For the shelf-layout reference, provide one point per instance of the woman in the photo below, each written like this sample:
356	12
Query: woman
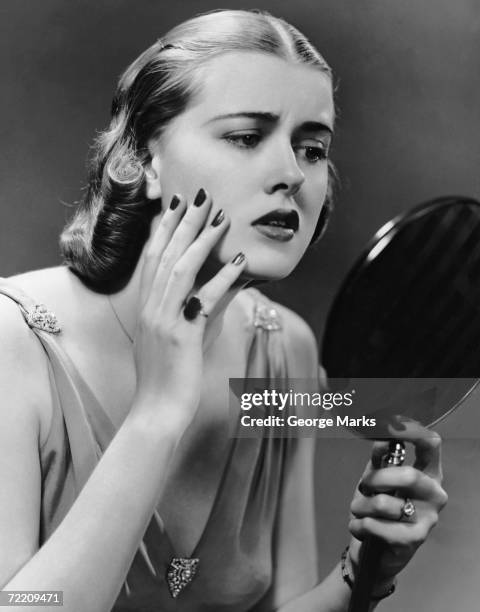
124	489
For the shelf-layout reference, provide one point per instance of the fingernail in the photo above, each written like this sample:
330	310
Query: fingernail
175	202
200	198
219	217
238	259
397	423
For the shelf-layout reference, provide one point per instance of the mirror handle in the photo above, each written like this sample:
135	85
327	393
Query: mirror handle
372	547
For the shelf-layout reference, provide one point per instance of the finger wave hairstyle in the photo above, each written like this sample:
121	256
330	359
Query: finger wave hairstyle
102	243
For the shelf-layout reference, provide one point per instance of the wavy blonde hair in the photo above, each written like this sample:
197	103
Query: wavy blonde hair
103	241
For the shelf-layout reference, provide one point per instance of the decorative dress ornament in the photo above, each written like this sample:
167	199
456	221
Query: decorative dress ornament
267	318
38	316
180	573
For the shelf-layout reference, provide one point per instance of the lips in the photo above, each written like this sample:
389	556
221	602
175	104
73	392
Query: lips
287	219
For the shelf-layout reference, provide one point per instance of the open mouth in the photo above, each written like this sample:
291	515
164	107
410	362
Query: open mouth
279	218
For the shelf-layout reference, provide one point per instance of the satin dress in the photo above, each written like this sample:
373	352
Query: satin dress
258	548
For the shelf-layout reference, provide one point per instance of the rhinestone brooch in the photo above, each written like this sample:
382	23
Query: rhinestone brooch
180	573
267	318
38	316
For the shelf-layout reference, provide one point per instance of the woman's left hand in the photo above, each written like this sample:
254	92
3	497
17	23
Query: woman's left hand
379	502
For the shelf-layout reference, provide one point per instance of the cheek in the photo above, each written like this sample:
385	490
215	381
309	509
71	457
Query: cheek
183	175
314	194
194	163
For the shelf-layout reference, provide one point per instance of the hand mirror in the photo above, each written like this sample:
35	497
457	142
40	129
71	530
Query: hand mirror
404	331
404	328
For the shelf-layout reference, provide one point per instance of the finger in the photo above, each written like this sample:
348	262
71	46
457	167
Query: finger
380	451
428	455
378	506
394	533
427	445
184	272
187	231
160	239
407	481
213	291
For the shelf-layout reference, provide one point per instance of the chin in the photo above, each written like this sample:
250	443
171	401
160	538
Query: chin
255	270
265	262
273	262
266	273
267	270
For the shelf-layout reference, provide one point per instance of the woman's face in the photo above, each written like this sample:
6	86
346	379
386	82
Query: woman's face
256	137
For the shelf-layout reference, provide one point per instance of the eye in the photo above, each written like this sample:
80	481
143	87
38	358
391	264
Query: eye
244	140
313	153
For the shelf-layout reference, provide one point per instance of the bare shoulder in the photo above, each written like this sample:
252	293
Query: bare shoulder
24	377
18	342
55	287
85	324
24	373
78	309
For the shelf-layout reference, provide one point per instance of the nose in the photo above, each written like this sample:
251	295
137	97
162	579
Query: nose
283	173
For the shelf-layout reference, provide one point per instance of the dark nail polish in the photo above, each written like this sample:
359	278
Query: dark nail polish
219	217
238	259
175	202
200	198
397	422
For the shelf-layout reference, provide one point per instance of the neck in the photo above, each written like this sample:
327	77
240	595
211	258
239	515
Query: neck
126	302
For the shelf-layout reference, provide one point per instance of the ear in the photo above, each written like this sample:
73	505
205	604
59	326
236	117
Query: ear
153	188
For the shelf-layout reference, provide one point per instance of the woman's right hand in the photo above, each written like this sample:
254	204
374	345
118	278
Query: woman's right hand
167	347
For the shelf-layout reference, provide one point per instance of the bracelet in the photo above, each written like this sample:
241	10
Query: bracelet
349	581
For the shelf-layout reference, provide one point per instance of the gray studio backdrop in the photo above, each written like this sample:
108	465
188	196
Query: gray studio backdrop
408	97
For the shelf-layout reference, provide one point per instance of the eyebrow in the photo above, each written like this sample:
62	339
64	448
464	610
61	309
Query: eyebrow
307	126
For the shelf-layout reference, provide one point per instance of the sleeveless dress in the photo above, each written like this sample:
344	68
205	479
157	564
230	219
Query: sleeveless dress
258	548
